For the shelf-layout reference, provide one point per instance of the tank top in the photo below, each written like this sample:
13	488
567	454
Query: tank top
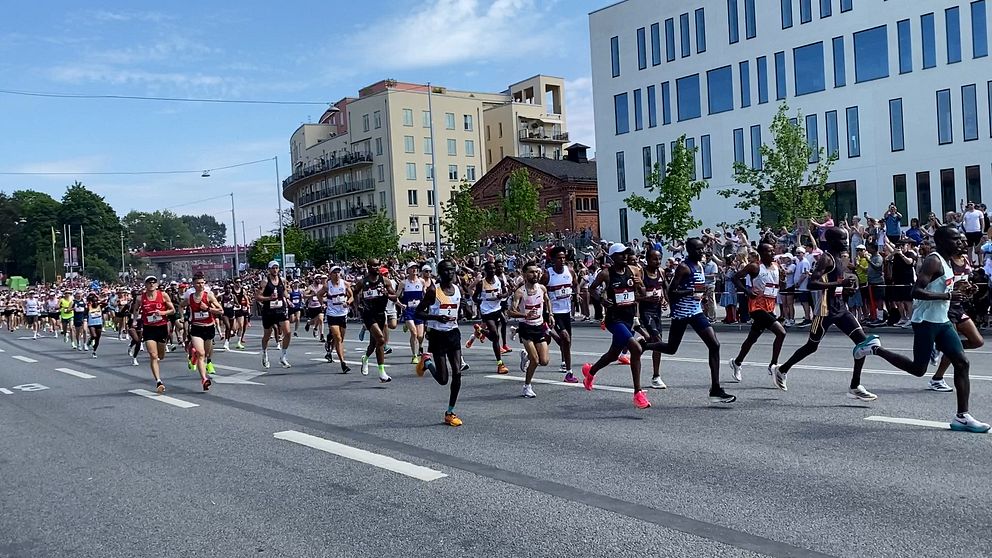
532	303
337	299
621	292
689	306
766	284
832	303
413	293
227	301
150	309
94	316
935	311
65	308
277	305
312	300
296	298
560	290
653	286
445	305
961	273
374	295
490	299
32	307
200	317
79	307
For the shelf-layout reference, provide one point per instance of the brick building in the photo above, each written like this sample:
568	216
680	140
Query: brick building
568	188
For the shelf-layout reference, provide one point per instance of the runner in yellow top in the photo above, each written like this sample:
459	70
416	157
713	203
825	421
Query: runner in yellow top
65	314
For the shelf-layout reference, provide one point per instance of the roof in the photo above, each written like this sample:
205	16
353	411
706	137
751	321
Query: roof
561	168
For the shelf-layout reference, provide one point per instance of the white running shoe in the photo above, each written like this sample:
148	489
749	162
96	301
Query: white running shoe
563	368
939	385
866	347
265	360
383	377
285	362
656	383
134	362
778	377
523	361
365	366
528	392
94	354
967	423
736	370
934	356
227	345
861	394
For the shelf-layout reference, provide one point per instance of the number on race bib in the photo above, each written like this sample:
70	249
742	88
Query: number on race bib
770	291
154	318
201	315
275	304
624	297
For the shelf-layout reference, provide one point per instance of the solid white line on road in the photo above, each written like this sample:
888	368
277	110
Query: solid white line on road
75	373
24	359
360	455
239	351
6	391
557	383
911	422
372	362
2	351
163	398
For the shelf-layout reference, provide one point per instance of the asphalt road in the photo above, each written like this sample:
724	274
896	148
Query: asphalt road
92	469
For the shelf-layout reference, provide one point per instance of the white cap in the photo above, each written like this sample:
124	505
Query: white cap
860	247
272	264
151	278
618	248
336	268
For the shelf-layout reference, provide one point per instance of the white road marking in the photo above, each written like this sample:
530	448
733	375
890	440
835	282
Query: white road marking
6	391
75	373
911	422
239	351
557	383
24	358
352	362
360	455
2	351
244	376
163	398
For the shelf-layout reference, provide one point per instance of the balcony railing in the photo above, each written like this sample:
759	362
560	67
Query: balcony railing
366	185
542	135
340	215
327	165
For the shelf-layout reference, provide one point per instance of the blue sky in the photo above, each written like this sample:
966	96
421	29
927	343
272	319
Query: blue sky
295	51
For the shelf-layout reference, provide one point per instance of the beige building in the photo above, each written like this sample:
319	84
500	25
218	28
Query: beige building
374	152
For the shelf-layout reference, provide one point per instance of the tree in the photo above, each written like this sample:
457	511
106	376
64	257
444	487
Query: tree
669	213
82	207
35	215
463	221
787	186
522	212
205	229
158	230
373	237
266	248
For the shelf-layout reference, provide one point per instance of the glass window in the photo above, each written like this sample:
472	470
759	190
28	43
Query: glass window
646	164
638	111
365	123
449	120
805	11
979	30
825	10
470	148
452	147
973	183
428	146
948	197
762	80
377	119
690	147
666	103
840	71
739	145
407	117
655	44
700	30
411	171
969	112
905	47
426	115
808	62
615	55
756	146
720	89
624	233
378	146
408	144
411	197
923	196
786	14
704	149
652	107
468	123
853	133
620	113
899	193
952	28
745	74
750	26
430	200
733	23
659	151
452	173
945	132
928	34
621	173
871	54
779	75
642	50
429	171
812	138
684	37
687	90
896	135
669	39
833	138
846	5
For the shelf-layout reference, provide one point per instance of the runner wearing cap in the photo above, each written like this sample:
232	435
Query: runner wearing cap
373	293
410	297
295	307
52	313
562	283
155	307
65	315
242	311
272	294
338	296
32	313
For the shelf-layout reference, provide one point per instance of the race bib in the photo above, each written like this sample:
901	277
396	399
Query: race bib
95	315
371	293
770	291
237	307
153	318
838	291
450	310
201	315
564	292
338	300
275	303
625	297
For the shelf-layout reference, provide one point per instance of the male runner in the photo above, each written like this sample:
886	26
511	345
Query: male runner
52	313
66	314
32	313
530	303
295	307
963	324
391	311
504	302
439	309
650	306
227	305
489	293
203	306
373	293
78	321
155	307
410	297
272	295
562	283
314	310
339	298
761	299
242	312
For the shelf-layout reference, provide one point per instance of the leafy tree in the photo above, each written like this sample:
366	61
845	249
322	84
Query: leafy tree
158	230
522	212
266	248
30	233
206	230
669	212
463	221
82	207
787	186
373	237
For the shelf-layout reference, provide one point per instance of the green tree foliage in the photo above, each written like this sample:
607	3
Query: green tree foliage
373	237
26	218
101	243
787	186
206	230
669	212
164	230
522	211
464	222
266	248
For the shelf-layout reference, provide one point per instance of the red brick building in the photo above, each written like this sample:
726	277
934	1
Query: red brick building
568	188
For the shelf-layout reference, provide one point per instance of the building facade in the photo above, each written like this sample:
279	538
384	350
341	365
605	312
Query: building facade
374	152
900	91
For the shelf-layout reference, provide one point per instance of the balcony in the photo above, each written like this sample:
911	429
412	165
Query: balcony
338	216
366	185
540	135
322	166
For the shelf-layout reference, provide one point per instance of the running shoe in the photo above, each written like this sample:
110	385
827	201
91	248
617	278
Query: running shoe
939	385
563	368
735	370
285	362
306	327
502	369
322	338
265	360
528	392
206	384
523	361
513	333
415	359
387	350
934	356
189	364
624	359
406	328
587	376
365	365
94	354
718	395
210	368
778	377
328	356
657	383
641	400
451	419
383	377
861	394
422	365
571	378
506	349
159	387
345	368
866	347
240	346
964	422
134	362
295	334
464	366
227	345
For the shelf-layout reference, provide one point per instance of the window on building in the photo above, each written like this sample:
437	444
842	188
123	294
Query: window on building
646	165
687	90
638	111
408	144
652	107
739	145
449	120
840	71
853	133
896	135
670	39
744	69
706	155
381	170
642	49
365	123
846	5
786	14
428	146
812	138
979	30
615	55
655	44
733	22
808	62
470	173
452	172
414	224
624	233
690	147
928	36
621	173
467	122
720	90
500	129
430	198
377	119
905	46
661	161
948	196
973	183
756	147
620	113
378	146
969	112
923	206
952	29
684	35
408	117
805	11
426	117
411	198
779	76
429	171
899	195
762	80
452	147
825	10
945	129
411	171
470	148
871	54
666	103
750	26
700	30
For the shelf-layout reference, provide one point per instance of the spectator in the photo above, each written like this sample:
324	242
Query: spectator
914	232
972	220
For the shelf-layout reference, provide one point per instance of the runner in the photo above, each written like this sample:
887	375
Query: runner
155	307
530	303
686	291
439	309
373	293
203	306
504	303
339	298
562	284
410	297
242	312
94	320
134	327
489	292
52	313
66	314
935	288
227	303
295	307
32	313
314	310
963	323
272	296
78	321
761	299
650	307
391	313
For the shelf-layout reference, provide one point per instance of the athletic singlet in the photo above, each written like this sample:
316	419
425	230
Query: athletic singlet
653	287
832	303
79	307
689	306
560	290
961	273
240	300
32	307
277	305
621	292
532	303
374	295
766	285
445	305
312	300
199	316
390	303
296	298
227	301
94	317
150	309
65	308
412	293
337	299
935	311
491	295
52	306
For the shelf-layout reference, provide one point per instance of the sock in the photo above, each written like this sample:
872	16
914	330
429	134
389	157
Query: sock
382	368
284	352
451	409
499	362
961	415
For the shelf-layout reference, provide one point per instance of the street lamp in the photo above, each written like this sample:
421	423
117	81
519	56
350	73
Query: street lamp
282	237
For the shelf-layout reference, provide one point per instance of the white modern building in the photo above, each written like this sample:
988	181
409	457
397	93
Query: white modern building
900	90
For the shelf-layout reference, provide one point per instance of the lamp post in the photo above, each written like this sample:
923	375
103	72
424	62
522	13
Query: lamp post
234	227
437	233
282	237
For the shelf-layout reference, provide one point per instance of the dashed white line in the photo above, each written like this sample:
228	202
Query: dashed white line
557	383
24	359
76	373
360	455
163	399
911	422
6	391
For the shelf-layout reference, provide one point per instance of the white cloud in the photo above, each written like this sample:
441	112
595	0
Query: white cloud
578	107
104	73
92	163
107	16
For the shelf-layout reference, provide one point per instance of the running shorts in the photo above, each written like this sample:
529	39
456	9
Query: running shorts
845	321
532	333
442	344
973	238
761	319
229	313
410	315
273	319
957	315
928	334
622	332
78	321
313	312
371	318
240	313
698	322
337	321
563	322
158	334
29	320
651	322
205	332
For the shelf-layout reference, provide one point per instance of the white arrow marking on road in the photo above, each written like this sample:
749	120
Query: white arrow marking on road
2	351
163	398
75	373
24	359
6	391
244	376
557	383
360	455
911	422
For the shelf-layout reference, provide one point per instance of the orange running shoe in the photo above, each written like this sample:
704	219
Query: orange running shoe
502	369
624	359
451	419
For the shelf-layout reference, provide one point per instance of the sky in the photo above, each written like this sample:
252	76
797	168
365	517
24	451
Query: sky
253	49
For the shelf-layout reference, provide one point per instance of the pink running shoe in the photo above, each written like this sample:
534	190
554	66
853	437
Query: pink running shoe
641	400
587	377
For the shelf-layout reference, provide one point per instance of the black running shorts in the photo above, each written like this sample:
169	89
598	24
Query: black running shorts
159	334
